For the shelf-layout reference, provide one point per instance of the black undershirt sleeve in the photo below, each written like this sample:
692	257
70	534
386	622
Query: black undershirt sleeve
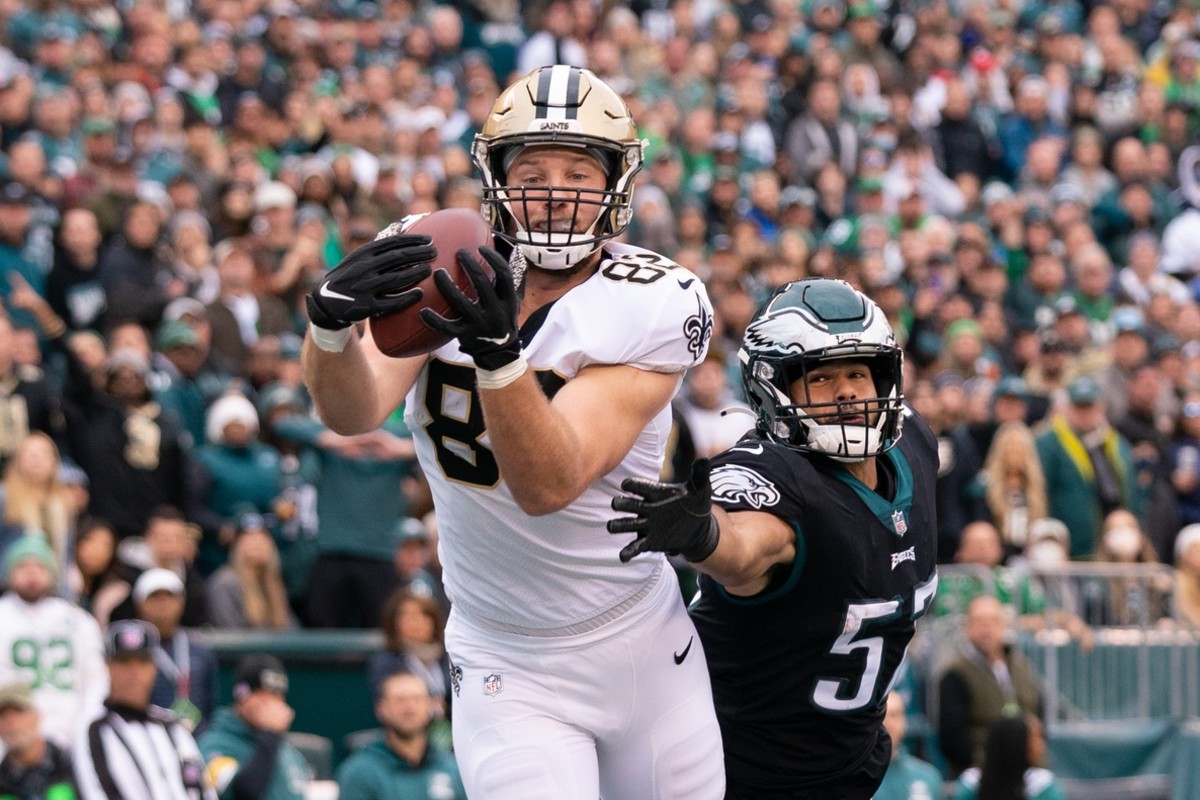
252	780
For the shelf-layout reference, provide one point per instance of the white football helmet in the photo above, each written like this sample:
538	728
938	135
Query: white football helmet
802	325
565	106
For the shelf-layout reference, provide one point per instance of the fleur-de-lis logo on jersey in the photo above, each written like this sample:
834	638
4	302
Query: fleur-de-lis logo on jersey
698	329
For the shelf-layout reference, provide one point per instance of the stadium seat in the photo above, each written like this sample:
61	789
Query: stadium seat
317	751
357	740
1137	787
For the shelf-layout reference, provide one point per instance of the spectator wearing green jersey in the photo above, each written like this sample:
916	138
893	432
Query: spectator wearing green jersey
404	764
907	777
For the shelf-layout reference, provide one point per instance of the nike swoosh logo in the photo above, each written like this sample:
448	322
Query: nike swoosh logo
687	283
679	657
325	291
754	450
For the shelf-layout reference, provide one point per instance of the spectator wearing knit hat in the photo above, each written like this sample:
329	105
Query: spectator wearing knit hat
236	470
50	640
187	386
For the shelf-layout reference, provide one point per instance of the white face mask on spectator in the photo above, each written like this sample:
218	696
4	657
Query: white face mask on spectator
1046	554
1123	542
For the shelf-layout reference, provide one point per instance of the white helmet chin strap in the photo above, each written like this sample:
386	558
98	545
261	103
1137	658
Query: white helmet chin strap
846	443
553	251
555	258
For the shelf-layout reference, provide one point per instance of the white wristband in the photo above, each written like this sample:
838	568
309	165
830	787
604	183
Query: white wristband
499	378
330	341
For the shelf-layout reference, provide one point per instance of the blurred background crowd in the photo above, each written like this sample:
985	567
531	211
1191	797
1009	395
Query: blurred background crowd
1014	183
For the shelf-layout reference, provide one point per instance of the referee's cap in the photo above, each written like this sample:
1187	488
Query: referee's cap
259	671
129	639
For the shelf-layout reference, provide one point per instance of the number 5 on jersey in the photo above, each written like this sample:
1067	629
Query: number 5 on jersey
860	618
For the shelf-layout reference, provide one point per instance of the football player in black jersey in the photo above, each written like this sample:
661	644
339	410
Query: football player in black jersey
815	537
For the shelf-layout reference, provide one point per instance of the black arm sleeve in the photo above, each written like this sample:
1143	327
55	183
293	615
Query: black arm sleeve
954	704
252	780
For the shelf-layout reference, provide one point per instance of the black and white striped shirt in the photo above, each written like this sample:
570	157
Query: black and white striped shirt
131	754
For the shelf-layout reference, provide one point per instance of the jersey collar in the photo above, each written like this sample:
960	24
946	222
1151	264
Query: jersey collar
894	515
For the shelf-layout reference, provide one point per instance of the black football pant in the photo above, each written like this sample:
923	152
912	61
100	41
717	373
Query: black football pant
348	591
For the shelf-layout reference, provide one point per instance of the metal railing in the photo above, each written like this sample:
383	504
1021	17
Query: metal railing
1102	637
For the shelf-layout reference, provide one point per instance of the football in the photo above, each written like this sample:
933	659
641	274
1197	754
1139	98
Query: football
402	335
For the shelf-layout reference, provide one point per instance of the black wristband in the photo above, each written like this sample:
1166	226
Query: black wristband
493	359
703	542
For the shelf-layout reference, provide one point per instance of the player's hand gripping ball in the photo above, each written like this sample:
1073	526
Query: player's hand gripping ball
402	334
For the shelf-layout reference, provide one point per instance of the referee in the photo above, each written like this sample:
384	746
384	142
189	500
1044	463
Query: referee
133	750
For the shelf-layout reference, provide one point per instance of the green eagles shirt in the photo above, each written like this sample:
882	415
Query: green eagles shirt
910	778
376	773
358	499
227	746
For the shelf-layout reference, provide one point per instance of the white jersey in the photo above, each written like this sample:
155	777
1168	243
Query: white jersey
559	572
55	647
1180	251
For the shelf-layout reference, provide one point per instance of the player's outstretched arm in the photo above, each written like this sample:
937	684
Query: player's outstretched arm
737	550
352	383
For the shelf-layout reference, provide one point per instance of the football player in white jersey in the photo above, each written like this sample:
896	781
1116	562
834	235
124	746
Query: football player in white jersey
49	644
574	676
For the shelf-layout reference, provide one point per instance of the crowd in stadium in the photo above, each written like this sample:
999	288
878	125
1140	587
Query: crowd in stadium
1014	184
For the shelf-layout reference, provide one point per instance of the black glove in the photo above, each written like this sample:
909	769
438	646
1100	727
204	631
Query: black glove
487	328
377	278
672	518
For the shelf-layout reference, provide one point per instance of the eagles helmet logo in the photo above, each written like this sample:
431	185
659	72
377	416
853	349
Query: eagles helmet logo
734	483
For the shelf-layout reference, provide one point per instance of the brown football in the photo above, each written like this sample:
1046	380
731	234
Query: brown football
403	334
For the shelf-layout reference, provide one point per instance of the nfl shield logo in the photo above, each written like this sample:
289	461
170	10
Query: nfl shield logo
493	684
899	523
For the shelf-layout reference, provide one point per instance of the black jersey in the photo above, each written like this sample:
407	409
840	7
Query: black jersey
801	671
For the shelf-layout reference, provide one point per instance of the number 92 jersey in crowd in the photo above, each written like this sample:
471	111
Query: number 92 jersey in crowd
639	309
801	671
